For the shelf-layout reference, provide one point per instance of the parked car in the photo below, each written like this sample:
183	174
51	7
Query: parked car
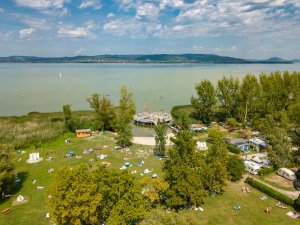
286	173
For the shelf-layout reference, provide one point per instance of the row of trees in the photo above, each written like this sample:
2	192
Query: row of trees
247	99
271	102
107	116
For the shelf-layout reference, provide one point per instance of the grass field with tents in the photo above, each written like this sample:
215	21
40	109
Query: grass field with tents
217	210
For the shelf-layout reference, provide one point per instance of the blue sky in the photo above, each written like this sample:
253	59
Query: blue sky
246	28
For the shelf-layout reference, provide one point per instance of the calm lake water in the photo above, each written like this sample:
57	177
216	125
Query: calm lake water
156	87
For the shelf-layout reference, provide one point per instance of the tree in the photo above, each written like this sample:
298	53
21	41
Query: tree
7	173
154	189
216	173
104	111
83	196
184	172
293	114
235	168
205	101
228	97
75	197
250	93
126	111
69	121
160	138
279	151
123	202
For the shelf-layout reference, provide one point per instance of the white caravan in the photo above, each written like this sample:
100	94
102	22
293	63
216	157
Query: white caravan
252	167
286	173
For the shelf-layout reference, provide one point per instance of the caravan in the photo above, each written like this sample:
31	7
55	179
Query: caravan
286	173
252	167
262	161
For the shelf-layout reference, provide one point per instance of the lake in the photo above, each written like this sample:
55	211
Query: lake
156	87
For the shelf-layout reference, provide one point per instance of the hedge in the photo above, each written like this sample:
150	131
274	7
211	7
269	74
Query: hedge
233	149
270	191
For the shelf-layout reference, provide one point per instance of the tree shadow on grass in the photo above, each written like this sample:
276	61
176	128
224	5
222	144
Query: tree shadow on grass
16	188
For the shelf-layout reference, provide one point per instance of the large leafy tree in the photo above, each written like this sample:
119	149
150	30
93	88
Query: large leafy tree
104	111
154	189
228	96
82	196
279	151
235	167
294	118
250	93
7	173
160	138
205	101
274	128
75	197
216	173
123	202
184	172
125	113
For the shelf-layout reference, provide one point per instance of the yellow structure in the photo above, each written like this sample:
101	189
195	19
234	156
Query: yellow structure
83	133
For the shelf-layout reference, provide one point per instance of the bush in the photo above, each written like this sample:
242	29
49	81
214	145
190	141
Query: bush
231	122
233	149
265	171
56	119
270	191
235	167
297	204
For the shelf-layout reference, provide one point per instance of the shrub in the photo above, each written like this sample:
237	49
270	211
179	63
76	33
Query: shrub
233	149
56	119
297	204
265	171
235	167
231	122
270	191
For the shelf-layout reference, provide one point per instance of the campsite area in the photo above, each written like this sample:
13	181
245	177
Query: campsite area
102	147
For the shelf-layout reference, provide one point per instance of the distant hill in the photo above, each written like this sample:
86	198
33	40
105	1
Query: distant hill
276	60
155	58
296	60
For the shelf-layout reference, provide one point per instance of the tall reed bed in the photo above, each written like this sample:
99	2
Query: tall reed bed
36	128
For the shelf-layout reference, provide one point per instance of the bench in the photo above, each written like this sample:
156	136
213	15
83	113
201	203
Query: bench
5	211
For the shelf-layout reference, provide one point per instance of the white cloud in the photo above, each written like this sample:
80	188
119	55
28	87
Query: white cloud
6	35
133	27
26	33
179	28
110	15
126	4
76	32
73	32
147	10
41	4
95	4
41	24
171	3
1	10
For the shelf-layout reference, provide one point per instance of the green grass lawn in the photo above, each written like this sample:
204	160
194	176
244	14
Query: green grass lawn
217	210
220	210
